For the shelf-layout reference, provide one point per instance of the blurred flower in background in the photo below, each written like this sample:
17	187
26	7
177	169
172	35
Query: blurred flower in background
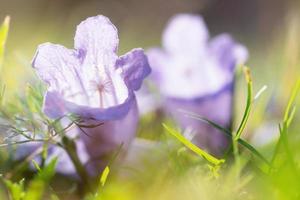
196	74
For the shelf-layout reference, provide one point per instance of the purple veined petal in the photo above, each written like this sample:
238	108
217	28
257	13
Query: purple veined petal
228	52
72	90
134	68
53	62
185	34
59	68
97	41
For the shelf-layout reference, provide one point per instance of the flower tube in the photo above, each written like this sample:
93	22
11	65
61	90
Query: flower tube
196	74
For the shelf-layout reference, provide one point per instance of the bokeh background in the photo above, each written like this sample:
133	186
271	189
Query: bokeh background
264	26
269	28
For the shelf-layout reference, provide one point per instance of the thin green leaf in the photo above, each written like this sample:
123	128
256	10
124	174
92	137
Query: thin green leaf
36	165
227	133
48	171
248	104
103	179
295	92
3	36
253	150
104	176
291	116
287	119
16	190
193	147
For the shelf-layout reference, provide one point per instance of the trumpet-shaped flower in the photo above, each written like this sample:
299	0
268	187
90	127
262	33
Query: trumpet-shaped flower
92	82
195	73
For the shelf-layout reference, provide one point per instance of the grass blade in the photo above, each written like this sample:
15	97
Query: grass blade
193	147
228	133
283	130
104	175
248	104
3	36
291	101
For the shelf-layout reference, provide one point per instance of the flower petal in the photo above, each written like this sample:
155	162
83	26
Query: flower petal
54	105
135	68
185	34
227	51
159	62
59	68
194	76
97	41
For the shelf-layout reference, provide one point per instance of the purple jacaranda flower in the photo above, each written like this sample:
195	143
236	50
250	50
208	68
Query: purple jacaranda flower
92	82
196	74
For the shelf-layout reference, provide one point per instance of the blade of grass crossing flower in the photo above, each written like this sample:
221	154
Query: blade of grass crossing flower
253	150
103	179
248	104
228	133
3	37
193	147
104	176
242	125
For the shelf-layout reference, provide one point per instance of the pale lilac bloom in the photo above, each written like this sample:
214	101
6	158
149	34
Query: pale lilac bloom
195	73
92	82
